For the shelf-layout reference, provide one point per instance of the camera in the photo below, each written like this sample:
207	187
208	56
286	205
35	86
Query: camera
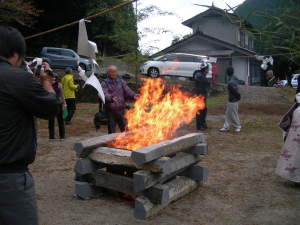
38	63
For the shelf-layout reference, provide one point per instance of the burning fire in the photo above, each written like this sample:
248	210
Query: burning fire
157	114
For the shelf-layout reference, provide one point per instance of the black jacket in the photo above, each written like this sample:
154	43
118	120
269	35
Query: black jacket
21	99
202	84
233	90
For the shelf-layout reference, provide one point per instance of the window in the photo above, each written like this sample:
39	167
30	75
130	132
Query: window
68	54
53	51
242	41
171	57
251	43
246	40
186	58
238	35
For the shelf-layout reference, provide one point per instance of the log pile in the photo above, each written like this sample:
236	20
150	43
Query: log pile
155	175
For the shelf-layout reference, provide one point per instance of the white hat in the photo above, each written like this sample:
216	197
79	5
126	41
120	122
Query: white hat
203	65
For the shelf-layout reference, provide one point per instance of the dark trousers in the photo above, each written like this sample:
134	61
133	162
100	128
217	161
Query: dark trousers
17	199
201	118
114	119
71	106
61	125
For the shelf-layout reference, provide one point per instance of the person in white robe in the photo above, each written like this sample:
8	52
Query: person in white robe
288	165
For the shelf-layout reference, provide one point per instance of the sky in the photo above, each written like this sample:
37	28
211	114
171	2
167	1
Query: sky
183	10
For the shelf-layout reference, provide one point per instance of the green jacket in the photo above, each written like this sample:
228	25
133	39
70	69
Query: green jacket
68	86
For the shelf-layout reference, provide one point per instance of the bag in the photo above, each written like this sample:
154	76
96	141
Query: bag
100	118
65	113
286	121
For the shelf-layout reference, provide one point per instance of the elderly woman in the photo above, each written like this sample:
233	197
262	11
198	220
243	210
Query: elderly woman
288	165
116	94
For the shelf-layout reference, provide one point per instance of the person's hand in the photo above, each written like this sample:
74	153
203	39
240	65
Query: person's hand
46	66
64	105
136	97
114	99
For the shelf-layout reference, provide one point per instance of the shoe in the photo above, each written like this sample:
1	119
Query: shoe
237	130
202	128
68	122
224	129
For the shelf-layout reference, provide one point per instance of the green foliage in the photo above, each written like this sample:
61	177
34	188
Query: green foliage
277	27
115	32
18	12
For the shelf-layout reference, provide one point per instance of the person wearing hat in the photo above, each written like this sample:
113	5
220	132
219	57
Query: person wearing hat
288	166
202	86
57	86
232	111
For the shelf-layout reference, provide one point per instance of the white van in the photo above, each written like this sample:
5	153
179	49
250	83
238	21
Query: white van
176	64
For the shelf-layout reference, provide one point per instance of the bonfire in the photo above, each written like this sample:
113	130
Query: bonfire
157	114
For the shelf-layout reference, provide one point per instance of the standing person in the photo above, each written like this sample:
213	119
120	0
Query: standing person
116	93
232	111
69	92
57	86
202	87
288	165
22	97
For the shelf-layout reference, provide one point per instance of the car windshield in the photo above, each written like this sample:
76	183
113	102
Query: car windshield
158	58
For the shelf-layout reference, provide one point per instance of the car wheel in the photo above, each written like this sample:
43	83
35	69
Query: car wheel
82	66
153	72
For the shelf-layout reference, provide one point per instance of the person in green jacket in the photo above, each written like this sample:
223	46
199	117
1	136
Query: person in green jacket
69	89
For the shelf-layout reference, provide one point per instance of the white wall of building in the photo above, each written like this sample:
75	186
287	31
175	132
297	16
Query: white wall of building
240	66
218	27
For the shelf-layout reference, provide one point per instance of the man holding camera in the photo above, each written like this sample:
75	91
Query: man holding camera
22	97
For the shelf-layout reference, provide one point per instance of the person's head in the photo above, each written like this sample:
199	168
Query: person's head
230	71
112	71
204	68
68	70
12	46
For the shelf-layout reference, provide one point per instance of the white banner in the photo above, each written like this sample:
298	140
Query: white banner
94	82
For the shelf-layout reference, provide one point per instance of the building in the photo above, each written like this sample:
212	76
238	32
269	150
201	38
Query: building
223	35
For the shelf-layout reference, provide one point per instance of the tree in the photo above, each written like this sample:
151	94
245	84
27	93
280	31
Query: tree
277	30
18	13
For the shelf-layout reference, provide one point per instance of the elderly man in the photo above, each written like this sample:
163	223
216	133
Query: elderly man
116	93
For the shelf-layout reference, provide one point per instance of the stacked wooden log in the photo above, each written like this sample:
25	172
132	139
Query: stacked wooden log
155	175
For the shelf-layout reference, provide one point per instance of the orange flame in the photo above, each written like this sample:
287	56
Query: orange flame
157	114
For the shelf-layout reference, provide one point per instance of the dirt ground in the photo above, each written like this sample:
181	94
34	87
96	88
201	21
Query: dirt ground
242	188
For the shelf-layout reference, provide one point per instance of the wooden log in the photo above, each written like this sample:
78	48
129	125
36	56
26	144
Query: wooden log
112	156
84	148
84	167
199	149
143	179
86	191
196	173
120	157
165	148
114	182
171	191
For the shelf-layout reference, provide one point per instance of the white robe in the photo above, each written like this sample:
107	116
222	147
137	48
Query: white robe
288	165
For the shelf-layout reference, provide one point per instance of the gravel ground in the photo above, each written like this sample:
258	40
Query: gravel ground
242	187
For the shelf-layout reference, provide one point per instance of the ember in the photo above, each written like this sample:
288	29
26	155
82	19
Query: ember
157	114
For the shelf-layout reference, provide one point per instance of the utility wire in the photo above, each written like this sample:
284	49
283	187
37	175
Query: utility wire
86	18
